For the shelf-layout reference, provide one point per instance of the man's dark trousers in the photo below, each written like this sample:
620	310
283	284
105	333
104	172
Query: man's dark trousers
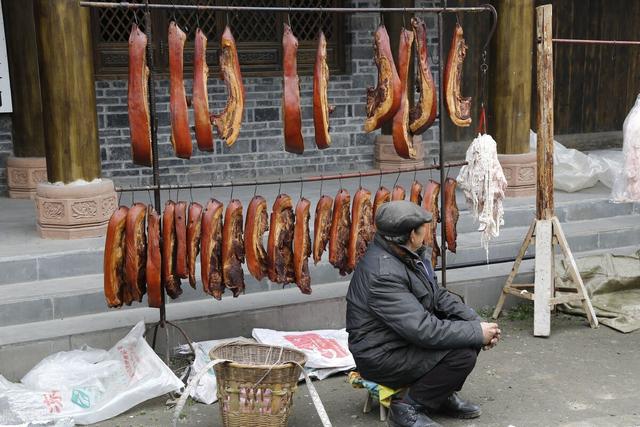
447	377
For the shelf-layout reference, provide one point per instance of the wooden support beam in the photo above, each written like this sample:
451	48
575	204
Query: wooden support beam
65	56
511	61
544	117
544	279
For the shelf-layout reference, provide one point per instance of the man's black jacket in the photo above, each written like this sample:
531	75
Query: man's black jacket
400	322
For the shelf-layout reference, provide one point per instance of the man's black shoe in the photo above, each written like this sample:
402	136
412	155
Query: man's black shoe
402	414
456	407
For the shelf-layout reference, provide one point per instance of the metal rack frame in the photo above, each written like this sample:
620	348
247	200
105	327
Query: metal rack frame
157	188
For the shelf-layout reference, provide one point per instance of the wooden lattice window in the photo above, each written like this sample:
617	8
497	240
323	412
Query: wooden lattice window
258	34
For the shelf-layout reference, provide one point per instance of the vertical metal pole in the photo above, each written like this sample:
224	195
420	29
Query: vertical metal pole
154	137
442	115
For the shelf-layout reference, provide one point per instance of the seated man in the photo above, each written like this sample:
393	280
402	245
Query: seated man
405	330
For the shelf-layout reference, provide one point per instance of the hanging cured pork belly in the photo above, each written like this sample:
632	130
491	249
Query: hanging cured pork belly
194	228
459	107
180	132
382	196
321	227
211	249
280	245
256	225
402	138
114	254
180	221
384	100
291	113
233	248
416	193
172	283
138	98
302	246
228	122
430	203
200	99
451	213
339	234
154	259
362	229
321	107
135	254
398	193
423	113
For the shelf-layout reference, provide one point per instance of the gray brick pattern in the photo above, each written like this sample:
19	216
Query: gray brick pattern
6	149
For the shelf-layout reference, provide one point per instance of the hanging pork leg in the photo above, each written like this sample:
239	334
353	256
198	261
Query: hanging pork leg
279	246
402	138
233	248
416	193
423	113
114	254
138	98
291	113
321	107
340	226
180	132
200	100
451	213
154	259
211	249
430	203
194	228
180	221
362	229
256	225
136	252
172	283
321	227
383	195
459	107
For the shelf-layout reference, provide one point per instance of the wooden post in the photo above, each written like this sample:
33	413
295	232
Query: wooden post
510	74
68	93
544	116
22	50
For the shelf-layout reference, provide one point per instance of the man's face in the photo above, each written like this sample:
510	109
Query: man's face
417	236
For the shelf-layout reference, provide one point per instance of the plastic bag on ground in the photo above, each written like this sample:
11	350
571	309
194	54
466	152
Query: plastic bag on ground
88	385
324	348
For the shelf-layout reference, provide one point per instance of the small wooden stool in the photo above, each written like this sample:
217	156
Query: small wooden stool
368	406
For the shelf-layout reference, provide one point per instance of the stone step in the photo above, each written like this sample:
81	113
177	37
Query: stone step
83	295
23	345
62	262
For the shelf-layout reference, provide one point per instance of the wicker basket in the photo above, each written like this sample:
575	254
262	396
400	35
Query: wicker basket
256	388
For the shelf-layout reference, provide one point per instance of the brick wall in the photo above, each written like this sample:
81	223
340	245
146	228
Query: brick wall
259	151
5	149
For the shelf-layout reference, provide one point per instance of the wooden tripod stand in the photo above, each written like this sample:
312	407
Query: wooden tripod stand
545	231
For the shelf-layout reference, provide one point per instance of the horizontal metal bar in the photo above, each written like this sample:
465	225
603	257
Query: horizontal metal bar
288	180
480	263
128	5
605	42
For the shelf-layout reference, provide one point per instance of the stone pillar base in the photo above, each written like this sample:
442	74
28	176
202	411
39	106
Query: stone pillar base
520	171
75	211
24	174
385	156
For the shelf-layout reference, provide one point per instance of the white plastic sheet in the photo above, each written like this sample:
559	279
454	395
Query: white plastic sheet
88	385
574	170
627	181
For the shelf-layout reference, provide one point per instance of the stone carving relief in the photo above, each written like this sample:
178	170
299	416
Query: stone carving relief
19	177
53	210
527	174
39	175
108	206
87	209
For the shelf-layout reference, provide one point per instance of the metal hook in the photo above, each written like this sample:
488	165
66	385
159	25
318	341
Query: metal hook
149	195
380	183
190	190
227	17
340	179
415	172
173	12
135	17
132	194
360	179
494	24
321	182
177	193
255	188
280	186
231	194
289	16
301	184
397	178
381	19
119	197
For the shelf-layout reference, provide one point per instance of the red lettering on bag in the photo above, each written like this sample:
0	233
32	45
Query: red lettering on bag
328	347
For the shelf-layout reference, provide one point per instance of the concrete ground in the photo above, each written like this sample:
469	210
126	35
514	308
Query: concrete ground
576	377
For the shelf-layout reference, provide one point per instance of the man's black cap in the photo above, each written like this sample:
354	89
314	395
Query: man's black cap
400	217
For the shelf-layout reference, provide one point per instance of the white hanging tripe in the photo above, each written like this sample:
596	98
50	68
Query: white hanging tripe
483	184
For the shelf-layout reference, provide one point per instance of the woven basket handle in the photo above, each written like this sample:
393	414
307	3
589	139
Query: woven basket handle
315	397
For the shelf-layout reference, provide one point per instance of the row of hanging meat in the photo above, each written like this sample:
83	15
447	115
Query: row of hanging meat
146	252
388	101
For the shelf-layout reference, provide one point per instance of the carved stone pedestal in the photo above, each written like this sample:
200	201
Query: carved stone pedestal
75	211
520	171
385	156
24	174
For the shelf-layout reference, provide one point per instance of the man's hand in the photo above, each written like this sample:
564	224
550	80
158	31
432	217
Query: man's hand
491	335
